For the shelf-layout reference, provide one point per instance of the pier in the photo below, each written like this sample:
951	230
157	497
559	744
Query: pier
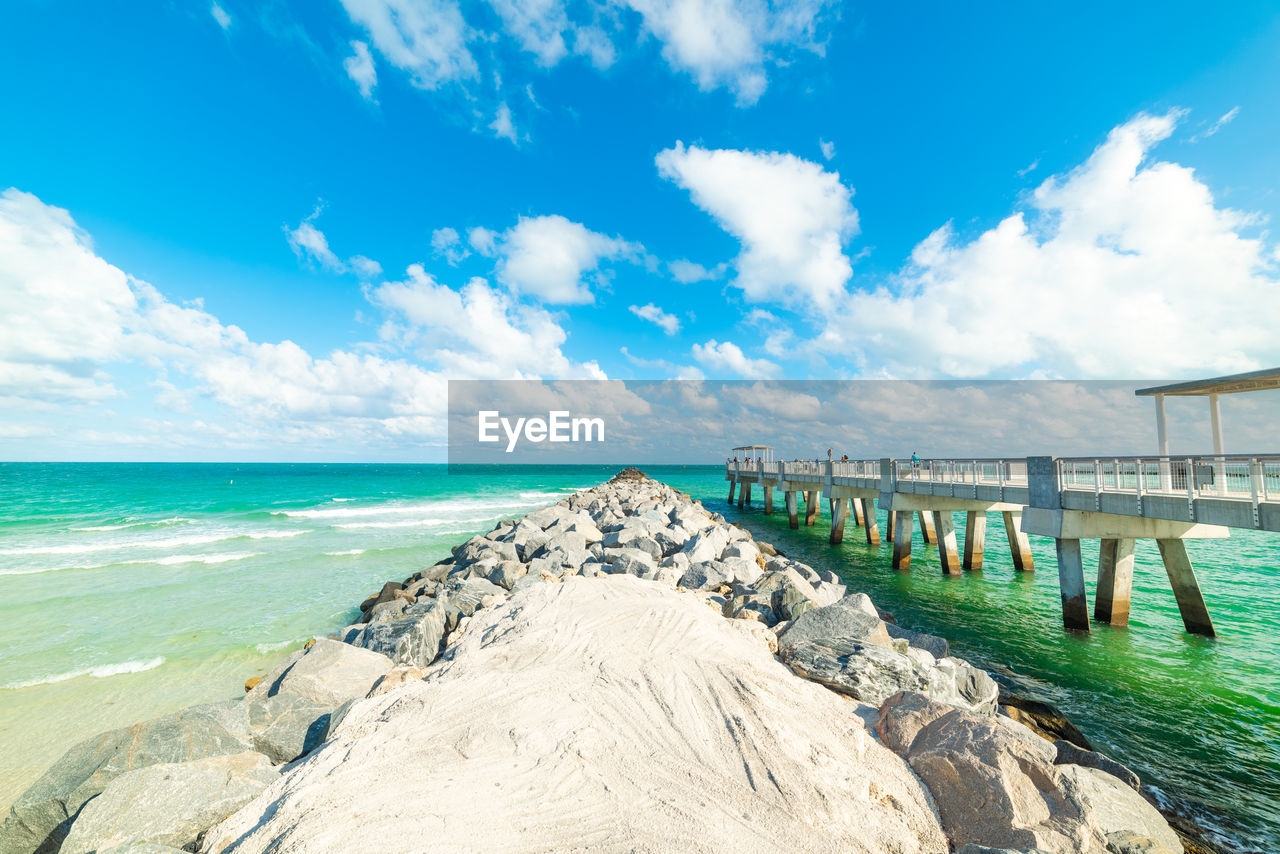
1114	500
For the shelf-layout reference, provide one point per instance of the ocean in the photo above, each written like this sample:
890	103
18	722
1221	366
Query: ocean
132	590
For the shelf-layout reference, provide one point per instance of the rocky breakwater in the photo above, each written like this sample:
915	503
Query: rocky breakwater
623	671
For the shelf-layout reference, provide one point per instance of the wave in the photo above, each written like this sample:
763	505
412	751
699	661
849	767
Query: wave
273	535
100	672
173	560
175	520
265	648
521	499
161	543
346	553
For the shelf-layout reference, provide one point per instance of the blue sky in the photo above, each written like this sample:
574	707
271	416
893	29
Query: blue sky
274	230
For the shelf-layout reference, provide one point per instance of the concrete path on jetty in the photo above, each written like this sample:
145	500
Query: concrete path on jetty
623	671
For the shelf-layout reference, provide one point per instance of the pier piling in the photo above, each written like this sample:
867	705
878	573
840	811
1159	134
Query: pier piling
1115	582
839	511
1195	615
792	515
927	527
768	500
1075	607
811	507
975	538
1019	543
901	539
869	520
733	484
946	534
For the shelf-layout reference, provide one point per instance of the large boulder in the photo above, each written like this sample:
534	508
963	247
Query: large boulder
865	671
958	683
630	561
843	620
40	818
1066	753
707	575
328	673
903	715
932	644
169	803
285	726
707	544
466	597
993	788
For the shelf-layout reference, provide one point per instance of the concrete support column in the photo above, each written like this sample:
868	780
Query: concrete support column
856	508
839	513
947	554
732	484
901	539
742	494
746	493
1162	440
891	525
1019	544
768	500
1195	616
1219	465
792	515
1115	582
811	507
1075	606
869	520
975	538
927	527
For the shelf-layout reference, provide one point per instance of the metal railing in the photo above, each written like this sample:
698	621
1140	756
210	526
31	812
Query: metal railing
990	472
1242	478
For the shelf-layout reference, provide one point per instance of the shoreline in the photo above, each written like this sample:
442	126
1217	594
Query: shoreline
408	625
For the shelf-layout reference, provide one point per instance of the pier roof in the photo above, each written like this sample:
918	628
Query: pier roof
1230	384
754	448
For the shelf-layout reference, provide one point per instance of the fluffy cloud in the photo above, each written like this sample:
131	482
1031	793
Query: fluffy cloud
687	272
476	332
447	244
71	325
311	246
720	43
359	67
727	357
502	125
669	323
555	259
791	216
426	38
1123	266
727	42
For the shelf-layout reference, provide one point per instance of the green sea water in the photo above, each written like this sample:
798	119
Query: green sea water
131	590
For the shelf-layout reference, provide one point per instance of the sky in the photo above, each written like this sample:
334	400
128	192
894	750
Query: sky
275	230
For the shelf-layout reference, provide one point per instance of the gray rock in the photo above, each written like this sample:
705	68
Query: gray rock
993	788
671	540
466	597
389	610
843	620
570	542
415	639
41	816
742	570
706	545
169	804
706	576
744	549
140	848
958	683
903	715
1068	754
507	573
865	671
385	595
286	726
633	562
329	673
751	606
828	593
934	645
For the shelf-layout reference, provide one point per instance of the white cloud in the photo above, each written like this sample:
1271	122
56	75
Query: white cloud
791	216
672	370
360	69
447	244
1029	168
595	44
502	126
555	259
426	38
1225	119
477	332
728	42
220	15
311	246
483	240
687	272
1122	267
727	357
669	322
828	149
537	25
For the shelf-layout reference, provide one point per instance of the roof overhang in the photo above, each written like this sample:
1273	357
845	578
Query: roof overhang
754	448
1231	384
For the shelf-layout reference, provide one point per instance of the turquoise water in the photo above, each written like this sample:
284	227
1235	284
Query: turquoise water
128	591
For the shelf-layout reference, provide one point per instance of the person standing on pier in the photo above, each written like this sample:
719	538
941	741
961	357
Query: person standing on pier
915	461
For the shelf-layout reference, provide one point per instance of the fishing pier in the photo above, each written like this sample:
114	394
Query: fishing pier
1114	500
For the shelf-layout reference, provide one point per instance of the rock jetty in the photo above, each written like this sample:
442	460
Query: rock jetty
622	671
